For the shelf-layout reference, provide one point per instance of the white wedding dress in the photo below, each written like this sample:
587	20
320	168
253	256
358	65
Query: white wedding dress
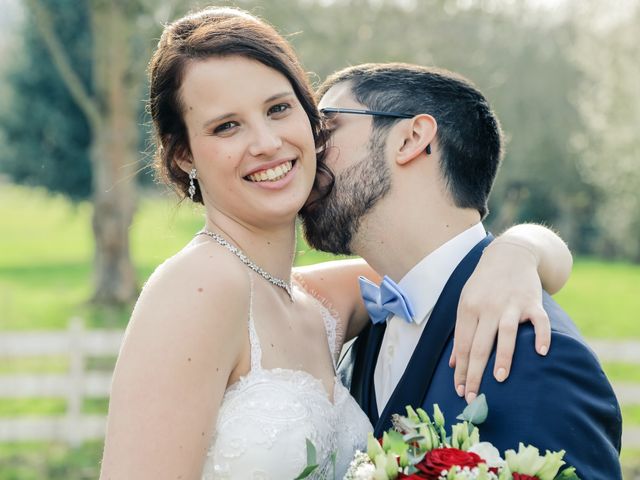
267	415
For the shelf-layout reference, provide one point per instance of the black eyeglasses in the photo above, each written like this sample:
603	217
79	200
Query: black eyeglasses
356	111
374	113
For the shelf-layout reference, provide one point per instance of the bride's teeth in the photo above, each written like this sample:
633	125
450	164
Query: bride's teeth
272	173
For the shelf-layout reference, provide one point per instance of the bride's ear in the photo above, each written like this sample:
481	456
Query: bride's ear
183	159
417	137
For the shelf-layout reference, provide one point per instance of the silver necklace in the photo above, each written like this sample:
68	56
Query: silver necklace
278	282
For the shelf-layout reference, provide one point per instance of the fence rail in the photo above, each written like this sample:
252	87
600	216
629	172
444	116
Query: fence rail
78	343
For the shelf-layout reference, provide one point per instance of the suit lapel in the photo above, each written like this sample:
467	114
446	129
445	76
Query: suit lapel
366	353
414	384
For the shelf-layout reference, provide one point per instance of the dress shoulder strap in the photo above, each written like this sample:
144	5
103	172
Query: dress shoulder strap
332	323
254	341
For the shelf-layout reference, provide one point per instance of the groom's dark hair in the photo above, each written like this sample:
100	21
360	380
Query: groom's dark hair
469	136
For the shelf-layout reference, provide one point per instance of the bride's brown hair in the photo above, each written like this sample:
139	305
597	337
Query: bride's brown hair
218	32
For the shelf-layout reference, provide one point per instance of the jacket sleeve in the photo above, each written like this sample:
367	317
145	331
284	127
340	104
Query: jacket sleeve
559	402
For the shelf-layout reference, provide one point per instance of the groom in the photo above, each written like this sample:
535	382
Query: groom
415	152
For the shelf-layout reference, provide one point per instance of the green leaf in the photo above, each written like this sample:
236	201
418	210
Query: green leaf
476	412
311	453
395	442
306	472
567	474
333	463
311	461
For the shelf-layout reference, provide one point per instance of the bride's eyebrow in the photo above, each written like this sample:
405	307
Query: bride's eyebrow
278	96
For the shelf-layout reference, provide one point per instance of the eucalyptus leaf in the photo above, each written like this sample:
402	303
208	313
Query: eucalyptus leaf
476	412
306	472
311	453
311	461
412	437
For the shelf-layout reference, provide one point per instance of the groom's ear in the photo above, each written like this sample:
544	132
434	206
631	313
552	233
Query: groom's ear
416	138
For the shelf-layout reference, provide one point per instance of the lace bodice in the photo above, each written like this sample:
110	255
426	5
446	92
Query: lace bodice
267	415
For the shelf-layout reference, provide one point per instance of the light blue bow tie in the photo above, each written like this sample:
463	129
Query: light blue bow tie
385	300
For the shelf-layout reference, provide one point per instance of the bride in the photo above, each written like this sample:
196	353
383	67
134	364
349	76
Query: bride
228	364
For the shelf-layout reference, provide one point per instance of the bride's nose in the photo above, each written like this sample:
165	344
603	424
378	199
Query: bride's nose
265	141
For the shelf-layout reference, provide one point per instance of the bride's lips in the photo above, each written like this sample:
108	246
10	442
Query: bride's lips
273	175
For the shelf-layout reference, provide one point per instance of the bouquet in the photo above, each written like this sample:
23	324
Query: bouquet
418	448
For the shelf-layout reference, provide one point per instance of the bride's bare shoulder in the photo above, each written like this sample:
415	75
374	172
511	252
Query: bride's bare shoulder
202	287
200	262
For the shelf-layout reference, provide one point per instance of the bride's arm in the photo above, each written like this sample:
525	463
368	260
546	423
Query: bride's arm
504	289
337	283
184	340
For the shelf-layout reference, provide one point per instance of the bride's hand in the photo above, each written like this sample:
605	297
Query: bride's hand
504	290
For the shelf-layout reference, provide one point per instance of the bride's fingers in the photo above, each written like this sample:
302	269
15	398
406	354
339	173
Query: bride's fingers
466	325
481	349
542	327
507	334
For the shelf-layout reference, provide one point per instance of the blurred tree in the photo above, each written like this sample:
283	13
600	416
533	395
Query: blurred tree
517	55
47	136
608	53
104	83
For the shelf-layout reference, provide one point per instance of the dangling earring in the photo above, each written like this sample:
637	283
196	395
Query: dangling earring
193	174
429	149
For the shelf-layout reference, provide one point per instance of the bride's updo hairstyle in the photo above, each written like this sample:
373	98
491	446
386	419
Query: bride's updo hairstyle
216	32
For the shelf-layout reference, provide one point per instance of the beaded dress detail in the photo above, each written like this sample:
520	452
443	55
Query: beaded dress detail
266	416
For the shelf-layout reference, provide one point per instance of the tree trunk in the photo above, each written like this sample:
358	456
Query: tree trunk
111	110
114	153
113	208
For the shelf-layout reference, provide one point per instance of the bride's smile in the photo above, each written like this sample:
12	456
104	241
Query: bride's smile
250	138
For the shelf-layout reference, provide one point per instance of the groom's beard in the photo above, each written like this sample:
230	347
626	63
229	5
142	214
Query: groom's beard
331	224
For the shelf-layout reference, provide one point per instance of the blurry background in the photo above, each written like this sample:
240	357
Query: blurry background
82	223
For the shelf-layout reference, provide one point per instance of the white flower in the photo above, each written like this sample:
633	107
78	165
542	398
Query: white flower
364	472
489	453
361	467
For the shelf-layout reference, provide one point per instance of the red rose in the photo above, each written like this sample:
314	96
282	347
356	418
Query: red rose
444	458
522	476
413	476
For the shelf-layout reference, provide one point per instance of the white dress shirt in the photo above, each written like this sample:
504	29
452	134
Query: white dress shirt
423	285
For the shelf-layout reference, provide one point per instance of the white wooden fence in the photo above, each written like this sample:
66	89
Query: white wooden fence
78	343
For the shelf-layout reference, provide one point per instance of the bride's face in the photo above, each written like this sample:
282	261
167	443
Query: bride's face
250	140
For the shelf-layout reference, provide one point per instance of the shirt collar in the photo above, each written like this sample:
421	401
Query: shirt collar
424	283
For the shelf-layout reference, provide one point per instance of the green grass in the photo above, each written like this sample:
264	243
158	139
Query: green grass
603	298
51	461
48	364
622	372
42	407
32	407
631	414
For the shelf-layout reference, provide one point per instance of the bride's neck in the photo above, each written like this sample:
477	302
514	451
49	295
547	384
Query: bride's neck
272	249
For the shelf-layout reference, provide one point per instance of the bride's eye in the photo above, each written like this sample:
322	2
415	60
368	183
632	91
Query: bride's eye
225	127
278	109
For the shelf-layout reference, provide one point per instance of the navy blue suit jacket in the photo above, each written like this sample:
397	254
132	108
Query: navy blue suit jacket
562	401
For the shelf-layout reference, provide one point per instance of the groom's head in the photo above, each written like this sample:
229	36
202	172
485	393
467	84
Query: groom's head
383	117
